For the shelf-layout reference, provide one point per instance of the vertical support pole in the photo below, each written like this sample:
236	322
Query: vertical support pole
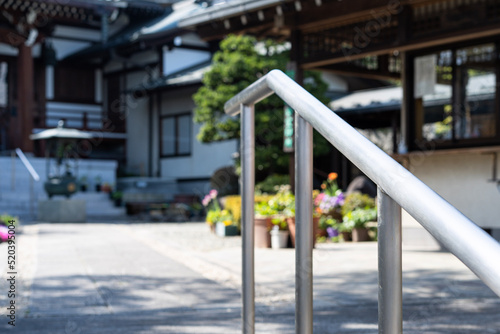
304	226
25	89
390	277
247	214
32	198
404	116
12	170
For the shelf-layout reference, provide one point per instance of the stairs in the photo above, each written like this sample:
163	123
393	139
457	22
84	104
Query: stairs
100	207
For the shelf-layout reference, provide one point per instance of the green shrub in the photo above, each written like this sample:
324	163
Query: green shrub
358	218
117	195
233	204
5	218
280	221
357	201
271	183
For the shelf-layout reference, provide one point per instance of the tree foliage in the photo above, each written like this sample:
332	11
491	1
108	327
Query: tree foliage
235	67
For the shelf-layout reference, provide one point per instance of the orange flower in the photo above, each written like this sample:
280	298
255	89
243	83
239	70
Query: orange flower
318	210
323	186
332	176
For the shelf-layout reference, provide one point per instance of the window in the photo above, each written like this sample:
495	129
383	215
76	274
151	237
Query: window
475	94
176	135
454	95
4	83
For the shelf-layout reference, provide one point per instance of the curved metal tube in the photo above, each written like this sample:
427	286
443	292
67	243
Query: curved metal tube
467	241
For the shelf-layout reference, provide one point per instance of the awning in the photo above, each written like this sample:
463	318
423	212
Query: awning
61	133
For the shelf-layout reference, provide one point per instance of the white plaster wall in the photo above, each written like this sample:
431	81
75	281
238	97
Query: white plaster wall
8	50
137	128
65	47
205	158
136	79
177	59
462	180
155	168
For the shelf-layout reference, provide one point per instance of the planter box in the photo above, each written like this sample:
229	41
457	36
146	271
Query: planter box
291	227
279	239
261	230
360	234
225	231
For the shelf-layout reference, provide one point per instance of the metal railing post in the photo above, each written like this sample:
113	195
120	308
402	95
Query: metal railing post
460	235
32	199
247	210
12	171
304	226
390	276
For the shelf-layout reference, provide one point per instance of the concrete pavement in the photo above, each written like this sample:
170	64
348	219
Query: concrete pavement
178	278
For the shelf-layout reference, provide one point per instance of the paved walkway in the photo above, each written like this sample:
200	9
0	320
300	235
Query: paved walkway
178	278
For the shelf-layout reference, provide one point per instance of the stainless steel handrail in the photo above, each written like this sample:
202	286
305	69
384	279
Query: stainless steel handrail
397	188
28	165
34	177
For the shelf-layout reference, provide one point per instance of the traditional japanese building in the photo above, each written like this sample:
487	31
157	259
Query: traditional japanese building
123	70
443	56
39	84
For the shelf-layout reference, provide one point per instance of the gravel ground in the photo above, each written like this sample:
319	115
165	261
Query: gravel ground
126	277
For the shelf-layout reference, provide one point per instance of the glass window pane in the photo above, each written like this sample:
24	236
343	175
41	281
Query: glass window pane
168	136
433	95
475	92
184	135
3	84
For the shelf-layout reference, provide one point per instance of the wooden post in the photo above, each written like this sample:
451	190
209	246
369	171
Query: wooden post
406	84
85	121
25	96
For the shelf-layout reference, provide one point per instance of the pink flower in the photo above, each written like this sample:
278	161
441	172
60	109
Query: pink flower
213	193
319	198
206	200
4	233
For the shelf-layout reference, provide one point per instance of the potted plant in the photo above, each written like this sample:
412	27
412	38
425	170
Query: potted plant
212	218
224	225
279	232
263	224
98	181
331	198
358	209
117	197
284	203
328	227
83	184
356	222
106	188
216	215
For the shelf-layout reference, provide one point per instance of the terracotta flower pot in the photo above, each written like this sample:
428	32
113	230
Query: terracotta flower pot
261	230
346	236
360	234
211	227
291	227
322	232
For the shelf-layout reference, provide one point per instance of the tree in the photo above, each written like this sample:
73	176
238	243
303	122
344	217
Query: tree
235	67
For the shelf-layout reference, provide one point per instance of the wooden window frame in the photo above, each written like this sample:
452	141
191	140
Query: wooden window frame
426	145
176	135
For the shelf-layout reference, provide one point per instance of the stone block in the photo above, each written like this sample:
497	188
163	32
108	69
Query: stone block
62	211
